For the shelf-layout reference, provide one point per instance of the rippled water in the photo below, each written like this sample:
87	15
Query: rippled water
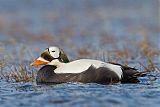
27	27
76	94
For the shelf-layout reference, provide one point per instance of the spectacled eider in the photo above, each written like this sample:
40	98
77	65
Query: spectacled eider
58	69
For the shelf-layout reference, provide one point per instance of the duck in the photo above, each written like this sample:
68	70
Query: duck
59	69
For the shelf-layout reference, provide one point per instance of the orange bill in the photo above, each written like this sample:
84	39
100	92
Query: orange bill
38	62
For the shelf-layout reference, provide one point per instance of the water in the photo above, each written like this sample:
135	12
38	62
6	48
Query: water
76	94
82	28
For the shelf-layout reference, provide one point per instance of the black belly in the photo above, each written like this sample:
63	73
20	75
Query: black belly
101	75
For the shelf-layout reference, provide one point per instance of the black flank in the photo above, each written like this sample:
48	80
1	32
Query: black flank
101	75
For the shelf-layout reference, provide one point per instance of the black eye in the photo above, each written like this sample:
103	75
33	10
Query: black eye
53	51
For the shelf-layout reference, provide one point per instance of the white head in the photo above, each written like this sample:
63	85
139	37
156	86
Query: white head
51	54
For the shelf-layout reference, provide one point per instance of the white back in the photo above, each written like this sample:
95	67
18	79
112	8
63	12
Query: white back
81	65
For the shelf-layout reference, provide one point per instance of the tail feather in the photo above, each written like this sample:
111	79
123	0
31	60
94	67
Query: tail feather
130	75
140	74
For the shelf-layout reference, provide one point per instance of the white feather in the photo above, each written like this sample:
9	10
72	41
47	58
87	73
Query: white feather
81	65
54	51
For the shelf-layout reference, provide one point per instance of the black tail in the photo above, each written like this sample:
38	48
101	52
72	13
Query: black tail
130	75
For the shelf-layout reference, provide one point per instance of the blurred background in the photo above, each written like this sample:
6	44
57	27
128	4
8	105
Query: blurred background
123	31
77	26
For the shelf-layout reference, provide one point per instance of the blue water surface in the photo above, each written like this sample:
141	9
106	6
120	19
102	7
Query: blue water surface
77	94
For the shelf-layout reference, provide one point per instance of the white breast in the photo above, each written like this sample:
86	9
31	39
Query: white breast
82	65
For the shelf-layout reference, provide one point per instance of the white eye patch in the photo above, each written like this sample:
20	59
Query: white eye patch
54	52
